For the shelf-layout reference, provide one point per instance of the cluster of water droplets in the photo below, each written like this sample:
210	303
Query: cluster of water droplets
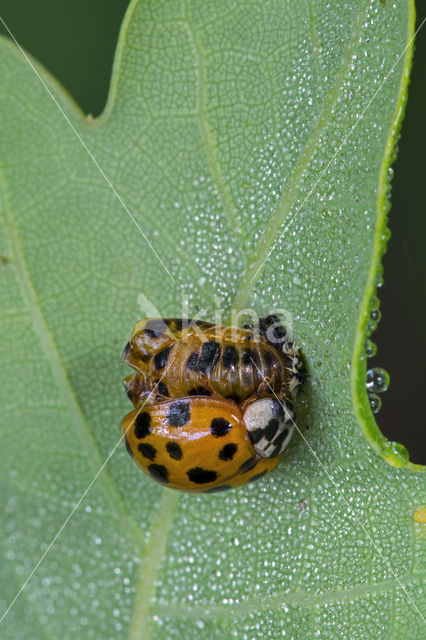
377	378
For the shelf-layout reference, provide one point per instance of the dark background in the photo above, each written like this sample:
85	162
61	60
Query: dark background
76	42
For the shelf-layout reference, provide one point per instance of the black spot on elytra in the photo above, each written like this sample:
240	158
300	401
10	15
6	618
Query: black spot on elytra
199	391
209	355
219	427
174	450
278	443
159	473
179	413
258	476
147	450
126	442
160	360
271	429
249	464
142	425
201	476
192	361
228	451
221	487
230	357
163	389
155	328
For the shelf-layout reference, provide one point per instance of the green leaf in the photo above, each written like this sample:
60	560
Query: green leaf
250	143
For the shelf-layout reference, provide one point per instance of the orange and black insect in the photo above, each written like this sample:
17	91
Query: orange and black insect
213	404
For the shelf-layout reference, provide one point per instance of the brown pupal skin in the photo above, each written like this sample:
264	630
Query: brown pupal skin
233	361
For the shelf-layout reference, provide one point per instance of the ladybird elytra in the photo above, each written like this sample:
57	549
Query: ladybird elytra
193	443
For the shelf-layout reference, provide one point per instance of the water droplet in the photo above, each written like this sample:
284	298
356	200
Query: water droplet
376	315
375	402
375	303
377	380
371	326
396	453
370	348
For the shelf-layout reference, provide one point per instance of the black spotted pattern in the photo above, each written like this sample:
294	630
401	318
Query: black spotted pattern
147	450
143	425
174	450
160	360
258	476
248	357
201	476
271	429
163	389
179	413
278	443
159	473
219	427
228	451
268	359
230	357
209	355
256	435
192	361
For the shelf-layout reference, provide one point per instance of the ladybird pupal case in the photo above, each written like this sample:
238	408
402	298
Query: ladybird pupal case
235	361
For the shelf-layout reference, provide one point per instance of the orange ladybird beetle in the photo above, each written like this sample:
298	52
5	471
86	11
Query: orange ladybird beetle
213	405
